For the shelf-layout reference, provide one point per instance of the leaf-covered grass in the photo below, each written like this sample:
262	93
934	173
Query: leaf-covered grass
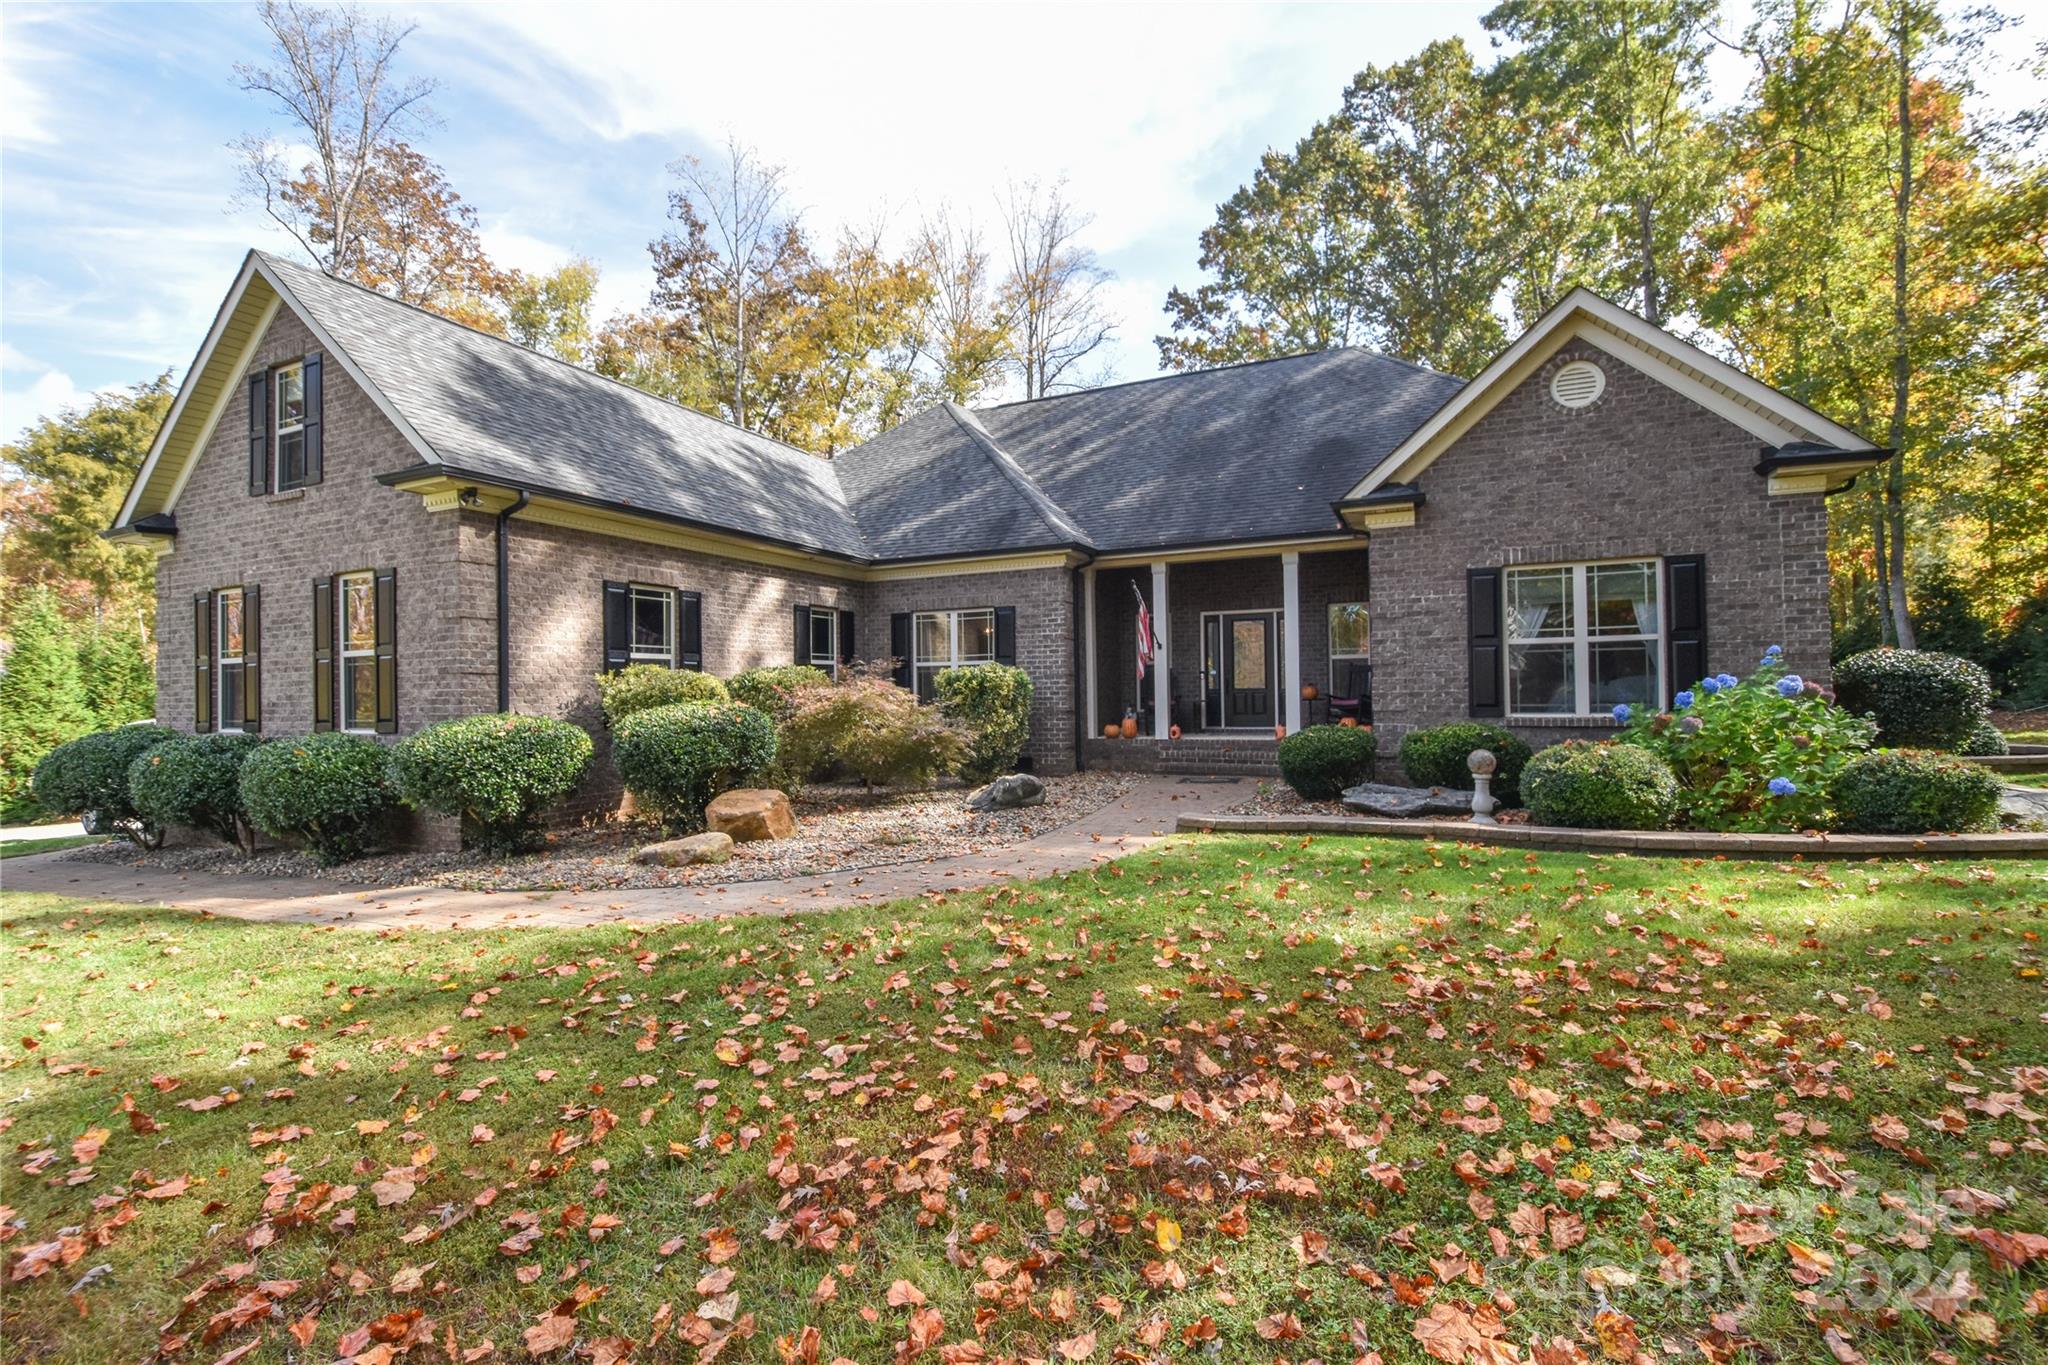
21	848
1250	1098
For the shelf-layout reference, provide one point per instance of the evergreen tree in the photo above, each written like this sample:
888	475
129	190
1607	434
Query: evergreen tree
118	676
42	699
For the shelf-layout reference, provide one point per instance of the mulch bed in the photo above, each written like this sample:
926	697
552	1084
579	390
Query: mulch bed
839	829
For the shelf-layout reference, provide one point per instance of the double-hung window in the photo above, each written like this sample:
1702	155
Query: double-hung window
950	639
1349	636
230	643
1583	638
824	645
653	625
358	592
289	412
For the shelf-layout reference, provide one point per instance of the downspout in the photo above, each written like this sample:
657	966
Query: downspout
505	604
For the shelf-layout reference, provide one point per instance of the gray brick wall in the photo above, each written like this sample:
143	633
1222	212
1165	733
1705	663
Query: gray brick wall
1047	631
1645	471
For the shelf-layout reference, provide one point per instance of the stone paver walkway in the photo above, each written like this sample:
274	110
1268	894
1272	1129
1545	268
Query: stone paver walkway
1146	814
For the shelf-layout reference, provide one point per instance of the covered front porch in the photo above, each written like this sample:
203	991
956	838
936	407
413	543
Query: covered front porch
1239	637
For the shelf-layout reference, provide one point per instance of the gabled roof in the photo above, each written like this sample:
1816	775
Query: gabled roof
1772	417
491	410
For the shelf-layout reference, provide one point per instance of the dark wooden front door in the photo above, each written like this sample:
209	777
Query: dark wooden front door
1248	664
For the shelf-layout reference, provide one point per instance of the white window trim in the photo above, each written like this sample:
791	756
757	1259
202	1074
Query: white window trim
1335	657
221	659
1581	639
952	658
279	428
635	654
831	662
344	656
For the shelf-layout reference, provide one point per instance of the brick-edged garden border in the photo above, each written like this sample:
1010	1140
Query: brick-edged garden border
1660	842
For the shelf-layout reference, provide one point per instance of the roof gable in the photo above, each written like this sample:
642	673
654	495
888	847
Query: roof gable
1773	418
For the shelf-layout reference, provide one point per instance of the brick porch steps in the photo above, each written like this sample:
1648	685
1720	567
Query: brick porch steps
1228	755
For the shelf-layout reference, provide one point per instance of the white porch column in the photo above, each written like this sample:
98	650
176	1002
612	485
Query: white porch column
1162	658
1290	647
1088	661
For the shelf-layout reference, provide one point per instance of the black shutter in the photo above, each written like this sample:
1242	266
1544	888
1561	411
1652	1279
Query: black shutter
323	654
846	637
1006	635
1685	578
259	434
202	662
803	635
1483	640
690	630
618	626
312	391
387	651
252	659
899	645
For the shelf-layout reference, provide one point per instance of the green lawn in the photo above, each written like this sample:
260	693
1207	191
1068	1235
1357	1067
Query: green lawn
2025	779
21	848
1238	1099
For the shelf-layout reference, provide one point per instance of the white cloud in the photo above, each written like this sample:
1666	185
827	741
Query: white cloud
30	389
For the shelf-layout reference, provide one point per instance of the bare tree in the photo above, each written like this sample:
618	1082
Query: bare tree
331	76
962	327
1053	294
736	210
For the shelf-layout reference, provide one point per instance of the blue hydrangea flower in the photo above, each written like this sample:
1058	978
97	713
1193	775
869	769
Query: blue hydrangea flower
1774	651
1783	786
1622	713
1682	700
1791	685
1710	685
1727	679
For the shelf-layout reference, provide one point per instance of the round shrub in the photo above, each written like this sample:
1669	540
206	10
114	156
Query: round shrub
1904	792
194	780
1322	760
333	791
674	759
992	703
89	775
640	687
1986	741
498	772
1436	757
1919	698
769	689
1599	786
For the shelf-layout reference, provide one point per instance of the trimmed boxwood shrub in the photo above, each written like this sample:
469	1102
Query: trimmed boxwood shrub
1986	741
1599	786
1436	757
1919	698
498	772
674	759
1321	761
770	689
992	703
194	780
89	777
640	687
1906	792
334	791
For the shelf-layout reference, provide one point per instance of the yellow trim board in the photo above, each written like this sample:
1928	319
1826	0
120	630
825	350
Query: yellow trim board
1390	518
1250	549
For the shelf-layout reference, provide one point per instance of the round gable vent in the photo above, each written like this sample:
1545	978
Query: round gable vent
1578	385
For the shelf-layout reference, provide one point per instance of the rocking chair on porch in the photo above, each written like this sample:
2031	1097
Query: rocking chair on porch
1356	698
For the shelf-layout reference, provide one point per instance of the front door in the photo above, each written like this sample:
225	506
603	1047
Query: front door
1248	670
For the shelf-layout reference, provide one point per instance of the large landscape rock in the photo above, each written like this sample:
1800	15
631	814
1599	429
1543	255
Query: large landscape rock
1406	803
750	813
697	848
1008	793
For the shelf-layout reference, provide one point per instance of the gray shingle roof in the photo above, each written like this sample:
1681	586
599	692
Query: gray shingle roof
490	408
1246	452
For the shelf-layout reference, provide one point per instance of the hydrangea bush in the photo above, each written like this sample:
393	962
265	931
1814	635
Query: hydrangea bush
1758	754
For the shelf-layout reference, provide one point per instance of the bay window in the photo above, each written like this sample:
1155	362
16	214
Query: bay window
1583	638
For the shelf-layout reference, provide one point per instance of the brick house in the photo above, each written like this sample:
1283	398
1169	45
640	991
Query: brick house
370	518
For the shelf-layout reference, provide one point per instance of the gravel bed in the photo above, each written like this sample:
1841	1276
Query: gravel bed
839	829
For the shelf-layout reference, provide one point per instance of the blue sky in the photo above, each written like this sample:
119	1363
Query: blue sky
118	231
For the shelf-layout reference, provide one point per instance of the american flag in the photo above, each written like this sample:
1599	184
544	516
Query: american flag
1144	633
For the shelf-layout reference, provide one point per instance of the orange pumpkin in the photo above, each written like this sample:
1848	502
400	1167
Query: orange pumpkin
1111	730
1130	727
1349	723
1309	692
1173	732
